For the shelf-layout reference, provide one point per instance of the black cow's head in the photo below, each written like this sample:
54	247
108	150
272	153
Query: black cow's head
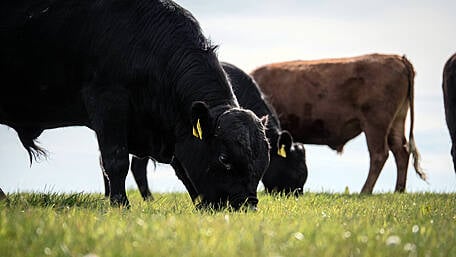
287	171
224	156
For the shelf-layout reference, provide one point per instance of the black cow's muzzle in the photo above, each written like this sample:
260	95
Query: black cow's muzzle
245	204
240	203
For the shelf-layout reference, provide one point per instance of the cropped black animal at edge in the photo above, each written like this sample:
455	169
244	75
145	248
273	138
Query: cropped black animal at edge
287	171
130	70
449	97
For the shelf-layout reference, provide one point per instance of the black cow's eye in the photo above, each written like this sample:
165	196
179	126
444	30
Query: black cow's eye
223	159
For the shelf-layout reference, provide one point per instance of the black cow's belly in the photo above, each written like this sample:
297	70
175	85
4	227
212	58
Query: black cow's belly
46	110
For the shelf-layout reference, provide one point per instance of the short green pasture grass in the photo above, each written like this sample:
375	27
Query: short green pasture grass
315	224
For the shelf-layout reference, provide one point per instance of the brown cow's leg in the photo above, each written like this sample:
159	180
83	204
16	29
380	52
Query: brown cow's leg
378	152
398	145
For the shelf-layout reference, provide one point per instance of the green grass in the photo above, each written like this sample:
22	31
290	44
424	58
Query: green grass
312	225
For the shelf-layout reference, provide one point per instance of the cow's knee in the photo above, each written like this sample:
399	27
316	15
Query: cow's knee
378	159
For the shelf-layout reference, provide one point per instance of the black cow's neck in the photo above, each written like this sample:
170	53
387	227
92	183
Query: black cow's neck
202	79
198	76
272	133
184	63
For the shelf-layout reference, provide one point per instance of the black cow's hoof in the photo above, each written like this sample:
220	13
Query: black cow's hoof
148	198
120	201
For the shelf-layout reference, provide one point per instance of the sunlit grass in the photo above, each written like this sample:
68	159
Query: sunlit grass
311	225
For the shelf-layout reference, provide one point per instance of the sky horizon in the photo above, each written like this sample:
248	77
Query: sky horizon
250	35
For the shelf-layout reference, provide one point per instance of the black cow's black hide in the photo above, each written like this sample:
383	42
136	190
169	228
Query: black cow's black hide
140	74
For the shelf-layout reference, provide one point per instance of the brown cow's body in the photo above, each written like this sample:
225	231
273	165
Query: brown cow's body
329	102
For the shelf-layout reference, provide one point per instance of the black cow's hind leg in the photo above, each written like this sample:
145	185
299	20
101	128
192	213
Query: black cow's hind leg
139	170
108	111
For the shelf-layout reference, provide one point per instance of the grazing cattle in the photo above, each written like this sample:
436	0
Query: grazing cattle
287	171
329	102
140	74
449	97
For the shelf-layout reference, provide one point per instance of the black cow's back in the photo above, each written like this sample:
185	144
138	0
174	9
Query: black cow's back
250	96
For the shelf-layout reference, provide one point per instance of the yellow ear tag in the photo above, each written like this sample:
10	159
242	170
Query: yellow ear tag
197	132
282	152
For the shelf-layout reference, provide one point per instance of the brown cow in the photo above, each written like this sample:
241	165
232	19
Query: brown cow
329	102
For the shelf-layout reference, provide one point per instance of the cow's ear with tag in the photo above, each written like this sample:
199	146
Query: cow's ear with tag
201	121
284	143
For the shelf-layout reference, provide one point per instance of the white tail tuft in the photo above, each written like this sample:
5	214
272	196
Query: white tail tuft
416	159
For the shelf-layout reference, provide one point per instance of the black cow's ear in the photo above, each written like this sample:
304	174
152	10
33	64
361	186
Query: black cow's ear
201	120
284	143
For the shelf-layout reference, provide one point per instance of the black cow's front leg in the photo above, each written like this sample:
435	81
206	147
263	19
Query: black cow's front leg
108	110
105	180
115	162
182	175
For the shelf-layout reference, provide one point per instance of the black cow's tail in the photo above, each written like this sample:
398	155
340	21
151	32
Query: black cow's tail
411	144
28	141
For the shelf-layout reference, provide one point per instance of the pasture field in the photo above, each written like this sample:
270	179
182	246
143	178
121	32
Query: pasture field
315	224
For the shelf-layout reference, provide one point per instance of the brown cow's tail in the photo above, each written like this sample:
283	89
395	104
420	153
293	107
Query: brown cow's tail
411	144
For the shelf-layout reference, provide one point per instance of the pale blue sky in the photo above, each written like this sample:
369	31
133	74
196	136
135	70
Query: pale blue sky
251	33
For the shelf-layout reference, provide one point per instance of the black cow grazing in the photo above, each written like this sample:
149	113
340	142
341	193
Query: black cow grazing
140	74
449	97
287	171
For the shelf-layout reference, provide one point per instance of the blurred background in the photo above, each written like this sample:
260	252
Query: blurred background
252	33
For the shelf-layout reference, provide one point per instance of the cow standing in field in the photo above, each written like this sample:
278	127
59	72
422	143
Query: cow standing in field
287	171
449	97
140	74
329	102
